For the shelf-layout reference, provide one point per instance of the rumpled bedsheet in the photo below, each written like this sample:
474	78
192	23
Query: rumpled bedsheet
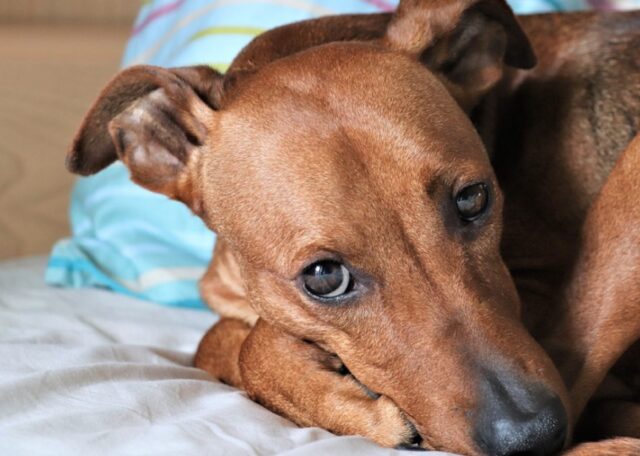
90	372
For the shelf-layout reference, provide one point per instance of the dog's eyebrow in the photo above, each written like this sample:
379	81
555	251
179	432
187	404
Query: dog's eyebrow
324	249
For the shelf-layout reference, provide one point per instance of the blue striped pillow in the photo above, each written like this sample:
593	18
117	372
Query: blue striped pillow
142	244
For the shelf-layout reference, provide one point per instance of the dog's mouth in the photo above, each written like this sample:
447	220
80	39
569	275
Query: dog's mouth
414	441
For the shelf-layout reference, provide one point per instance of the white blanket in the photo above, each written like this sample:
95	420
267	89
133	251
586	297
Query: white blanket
91	372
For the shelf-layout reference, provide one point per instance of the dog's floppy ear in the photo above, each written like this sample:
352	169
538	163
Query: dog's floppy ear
154	120
466	42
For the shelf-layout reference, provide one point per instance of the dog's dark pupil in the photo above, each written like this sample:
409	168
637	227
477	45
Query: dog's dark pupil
472	201
323	277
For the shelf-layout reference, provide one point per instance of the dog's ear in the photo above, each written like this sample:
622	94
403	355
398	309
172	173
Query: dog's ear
466	42
154	120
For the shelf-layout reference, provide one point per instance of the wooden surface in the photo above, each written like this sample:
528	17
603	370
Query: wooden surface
49	75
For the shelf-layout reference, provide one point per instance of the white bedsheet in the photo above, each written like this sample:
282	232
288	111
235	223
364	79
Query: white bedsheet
91	372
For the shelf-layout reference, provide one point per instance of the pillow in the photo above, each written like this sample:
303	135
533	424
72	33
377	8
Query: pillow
139	243
142	244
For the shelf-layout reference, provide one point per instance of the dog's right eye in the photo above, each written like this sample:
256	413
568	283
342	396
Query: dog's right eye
327	279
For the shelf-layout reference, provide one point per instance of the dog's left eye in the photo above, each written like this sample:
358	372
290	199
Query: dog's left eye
327	279
472	201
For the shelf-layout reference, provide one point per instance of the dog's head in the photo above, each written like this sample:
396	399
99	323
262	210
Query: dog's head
336	158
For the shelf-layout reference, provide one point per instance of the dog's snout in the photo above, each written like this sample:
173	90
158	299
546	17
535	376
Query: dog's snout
516	420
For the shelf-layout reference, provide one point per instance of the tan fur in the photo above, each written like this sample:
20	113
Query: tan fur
226	336
328	397
224	288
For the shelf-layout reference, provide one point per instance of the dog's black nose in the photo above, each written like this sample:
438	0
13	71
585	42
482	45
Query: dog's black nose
519	421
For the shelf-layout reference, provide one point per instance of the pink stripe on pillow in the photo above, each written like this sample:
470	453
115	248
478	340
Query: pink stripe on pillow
155	14
381	4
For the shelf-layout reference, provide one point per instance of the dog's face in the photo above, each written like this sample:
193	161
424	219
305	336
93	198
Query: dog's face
371	226
363	209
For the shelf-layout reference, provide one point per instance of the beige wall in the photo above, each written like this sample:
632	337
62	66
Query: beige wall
111	12
50	72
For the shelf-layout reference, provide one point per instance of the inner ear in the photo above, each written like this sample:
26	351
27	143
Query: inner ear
159	141
156	121
471	58
93	148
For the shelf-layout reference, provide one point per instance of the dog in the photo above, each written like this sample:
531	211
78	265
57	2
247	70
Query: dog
426	220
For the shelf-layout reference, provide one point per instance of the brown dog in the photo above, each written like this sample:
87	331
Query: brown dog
354	169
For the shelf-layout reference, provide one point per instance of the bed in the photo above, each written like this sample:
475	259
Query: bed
95	372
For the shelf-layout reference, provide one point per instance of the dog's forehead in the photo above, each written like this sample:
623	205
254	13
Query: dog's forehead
355	91
324	144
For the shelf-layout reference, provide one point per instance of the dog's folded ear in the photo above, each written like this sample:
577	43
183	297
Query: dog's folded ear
155	121
466	42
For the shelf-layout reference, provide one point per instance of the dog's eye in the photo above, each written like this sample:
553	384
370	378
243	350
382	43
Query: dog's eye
327	279
472	201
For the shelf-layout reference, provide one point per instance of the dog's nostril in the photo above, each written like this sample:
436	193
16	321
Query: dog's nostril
505	429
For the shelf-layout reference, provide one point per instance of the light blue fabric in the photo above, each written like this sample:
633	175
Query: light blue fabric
538	6
135	242
132	241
